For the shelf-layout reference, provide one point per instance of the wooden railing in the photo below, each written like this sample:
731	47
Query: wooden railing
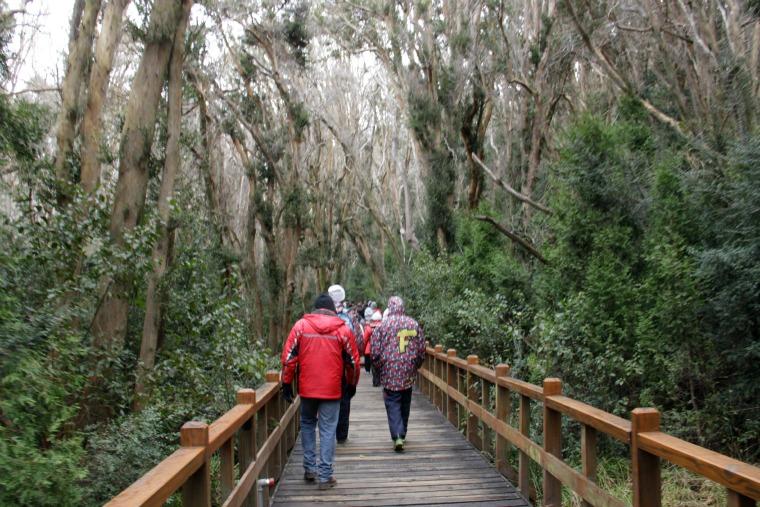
481	399
265	430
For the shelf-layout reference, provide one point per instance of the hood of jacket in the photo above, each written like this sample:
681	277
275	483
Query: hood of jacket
395	306
324	322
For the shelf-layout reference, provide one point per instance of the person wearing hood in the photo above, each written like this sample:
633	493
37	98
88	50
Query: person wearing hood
321	350
373	320
398	349
338	295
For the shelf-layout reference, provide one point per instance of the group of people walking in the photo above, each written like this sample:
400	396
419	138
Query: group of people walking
322	353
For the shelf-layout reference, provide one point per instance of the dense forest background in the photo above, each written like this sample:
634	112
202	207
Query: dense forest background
571	187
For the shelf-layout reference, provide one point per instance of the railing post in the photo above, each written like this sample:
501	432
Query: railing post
588	454
438	402
196	492
523	479
226	468
552	443
424	382
472	396
452	410
503	408
485	402
645	467
275	413
734	499
246	440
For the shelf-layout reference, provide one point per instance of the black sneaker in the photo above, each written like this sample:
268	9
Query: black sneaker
329	483
309	476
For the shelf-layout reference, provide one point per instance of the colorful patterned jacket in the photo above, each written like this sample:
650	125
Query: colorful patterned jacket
398	348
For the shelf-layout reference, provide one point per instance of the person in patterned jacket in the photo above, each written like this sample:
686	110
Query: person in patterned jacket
398	349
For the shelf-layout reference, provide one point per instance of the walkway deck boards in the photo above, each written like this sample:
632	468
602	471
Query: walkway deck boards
437	467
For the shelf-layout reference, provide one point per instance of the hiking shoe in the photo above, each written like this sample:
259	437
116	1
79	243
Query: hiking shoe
342	441
329	483
398	445
309	476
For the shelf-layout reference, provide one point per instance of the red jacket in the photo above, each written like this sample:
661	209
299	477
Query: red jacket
323	348
368	330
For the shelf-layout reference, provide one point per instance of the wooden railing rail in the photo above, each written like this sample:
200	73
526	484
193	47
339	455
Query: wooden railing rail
479	401
260	427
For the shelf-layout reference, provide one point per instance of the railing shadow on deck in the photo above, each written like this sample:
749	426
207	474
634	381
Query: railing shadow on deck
462	390
266	431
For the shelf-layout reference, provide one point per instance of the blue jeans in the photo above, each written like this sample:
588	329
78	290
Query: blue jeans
324	412
397	406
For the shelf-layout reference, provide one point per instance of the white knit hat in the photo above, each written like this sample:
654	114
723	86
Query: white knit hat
338	295
368	313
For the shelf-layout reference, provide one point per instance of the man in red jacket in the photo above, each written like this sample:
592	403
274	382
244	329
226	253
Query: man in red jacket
322	348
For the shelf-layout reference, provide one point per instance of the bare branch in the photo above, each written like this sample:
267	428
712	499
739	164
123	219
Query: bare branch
511	191
514	237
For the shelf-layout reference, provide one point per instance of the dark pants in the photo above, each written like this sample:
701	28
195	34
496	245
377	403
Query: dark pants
341	433
397	405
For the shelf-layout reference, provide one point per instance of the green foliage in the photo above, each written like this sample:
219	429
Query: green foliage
300	118
472	299
40	377
125	449
650	296
439	191
296	32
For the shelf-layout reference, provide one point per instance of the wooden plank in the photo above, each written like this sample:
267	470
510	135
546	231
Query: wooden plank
452	384
588	454
645	466
196	491
437	467
734	499
612	425
742	478
552	443
248	479
156	486
524	388
228	424
474	409
226	468
483	372
566	474
503	410
524	460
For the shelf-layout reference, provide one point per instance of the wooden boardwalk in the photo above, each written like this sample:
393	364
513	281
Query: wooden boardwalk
437	467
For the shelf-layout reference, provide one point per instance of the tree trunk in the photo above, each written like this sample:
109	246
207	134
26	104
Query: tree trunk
110	322
105	48
153	297
77	70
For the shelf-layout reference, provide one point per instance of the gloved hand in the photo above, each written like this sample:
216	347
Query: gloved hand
287	393
367	362
351	390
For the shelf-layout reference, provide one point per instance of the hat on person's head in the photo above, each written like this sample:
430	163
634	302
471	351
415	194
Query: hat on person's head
338	295
324	302
377	316
368	313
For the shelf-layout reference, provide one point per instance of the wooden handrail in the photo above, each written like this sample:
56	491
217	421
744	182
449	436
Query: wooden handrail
733	474
648	444
156	486
259	450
